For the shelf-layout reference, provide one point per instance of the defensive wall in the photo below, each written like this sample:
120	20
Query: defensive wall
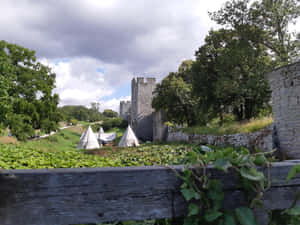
262	139
285	86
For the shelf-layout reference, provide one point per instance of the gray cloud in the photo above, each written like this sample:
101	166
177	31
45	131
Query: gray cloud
127	38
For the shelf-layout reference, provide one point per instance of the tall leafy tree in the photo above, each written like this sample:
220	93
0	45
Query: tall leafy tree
229	73
270	17
26	86
175	97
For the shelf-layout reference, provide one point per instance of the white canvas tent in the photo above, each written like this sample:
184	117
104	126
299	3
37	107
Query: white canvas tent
88	140
105	137
101	131
129	139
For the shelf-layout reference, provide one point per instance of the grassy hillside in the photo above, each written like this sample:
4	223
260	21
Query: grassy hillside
230	127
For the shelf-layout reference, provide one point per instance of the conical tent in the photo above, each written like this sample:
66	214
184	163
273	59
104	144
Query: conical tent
129	139
105	137
88	140
101	131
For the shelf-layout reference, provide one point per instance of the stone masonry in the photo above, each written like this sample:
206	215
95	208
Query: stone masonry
160	130
285	85
125	110
141	107
262	139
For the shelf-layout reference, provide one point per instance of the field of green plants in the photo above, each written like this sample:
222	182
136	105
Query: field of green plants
59	151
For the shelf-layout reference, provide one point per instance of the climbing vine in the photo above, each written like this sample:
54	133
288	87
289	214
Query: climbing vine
205	195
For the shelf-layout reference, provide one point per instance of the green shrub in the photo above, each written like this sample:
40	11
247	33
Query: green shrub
74	121
114	123
53	138
47	126
20	126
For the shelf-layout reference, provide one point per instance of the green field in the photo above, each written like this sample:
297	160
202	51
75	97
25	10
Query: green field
59	151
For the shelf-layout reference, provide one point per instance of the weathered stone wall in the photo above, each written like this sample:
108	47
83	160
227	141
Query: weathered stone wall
285	86
141	107
125	110
160	130
262	139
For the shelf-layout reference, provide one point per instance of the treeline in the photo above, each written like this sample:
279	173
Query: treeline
82	113
228	73
110	119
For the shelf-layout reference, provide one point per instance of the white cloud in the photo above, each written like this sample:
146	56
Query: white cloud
79	83
124	38
113	103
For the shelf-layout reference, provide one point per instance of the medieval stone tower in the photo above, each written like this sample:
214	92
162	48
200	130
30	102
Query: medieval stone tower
125	110
285	85
141	107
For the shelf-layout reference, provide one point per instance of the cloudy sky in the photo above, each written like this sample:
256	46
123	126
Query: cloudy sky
96	47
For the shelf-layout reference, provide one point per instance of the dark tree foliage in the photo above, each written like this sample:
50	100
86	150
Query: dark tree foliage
27	102
174	96
271	18
228	74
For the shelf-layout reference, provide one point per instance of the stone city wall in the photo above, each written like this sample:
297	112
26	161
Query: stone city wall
262	139
285	86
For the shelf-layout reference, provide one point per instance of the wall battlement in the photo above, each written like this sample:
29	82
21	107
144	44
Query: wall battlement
142	80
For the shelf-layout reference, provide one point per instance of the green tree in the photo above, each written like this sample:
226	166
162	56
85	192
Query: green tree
110	113
270	17
81	113
175	97
229	73
26	87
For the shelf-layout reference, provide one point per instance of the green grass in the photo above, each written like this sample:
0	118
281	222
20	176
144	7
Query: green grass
230	127
63	140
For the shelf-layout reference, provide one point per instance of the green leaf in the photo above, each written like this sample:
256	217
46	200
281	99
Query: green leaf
293	172
251	174
222	164
189	193
295	211
211	215
245	216
193	209
260	159
229	220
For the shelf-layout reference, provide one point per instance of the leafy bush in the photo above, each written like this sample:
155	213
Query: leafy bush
114	123
73	121
110	113
47	126
20	126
